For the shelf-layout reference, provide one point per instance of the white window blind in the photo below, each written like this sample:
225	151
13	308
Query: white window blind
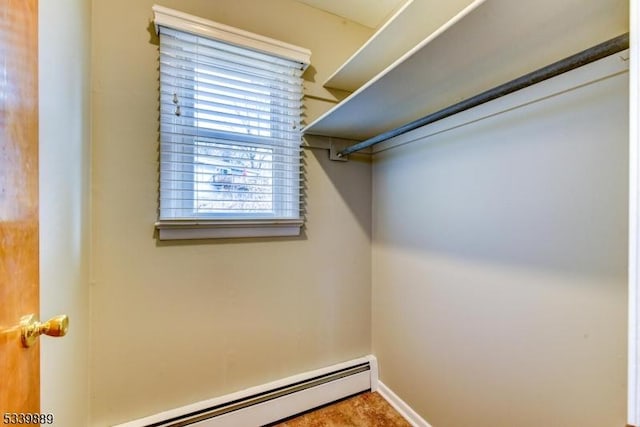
230	139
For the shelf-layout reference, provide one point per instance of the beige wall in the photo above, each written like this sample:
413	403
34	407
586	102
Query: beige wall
499	265
177	323
64	205
499	251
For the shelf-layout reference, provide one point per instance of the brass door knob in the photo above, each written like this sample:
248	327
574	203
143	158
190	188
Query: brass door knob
31	328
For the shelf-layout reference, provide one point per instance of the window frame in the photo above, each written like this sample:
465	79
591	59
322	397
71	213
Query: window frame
201	226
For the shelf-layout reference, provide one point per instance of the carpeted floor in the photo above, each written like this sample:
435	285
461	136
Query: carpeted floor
363	410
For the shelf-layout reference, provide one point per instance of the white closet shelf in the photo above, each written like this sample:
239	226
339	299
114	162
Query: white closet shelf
486	44
409	26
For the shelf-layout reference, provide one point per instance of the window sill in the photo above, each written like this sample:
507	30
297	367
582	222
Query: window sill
225	229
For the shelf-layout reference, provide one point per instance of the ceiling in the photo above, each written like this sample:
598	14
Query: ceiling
370	13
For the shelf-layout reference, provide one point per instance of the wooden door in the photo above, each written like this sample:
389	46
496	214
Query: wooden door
19	286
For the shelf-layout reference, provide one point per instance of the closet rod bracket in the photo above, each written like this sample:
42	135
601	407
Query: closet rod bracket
335	148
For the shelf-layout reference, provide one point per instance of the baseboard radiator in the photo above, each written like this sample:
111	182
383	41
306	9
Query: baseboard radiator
274	401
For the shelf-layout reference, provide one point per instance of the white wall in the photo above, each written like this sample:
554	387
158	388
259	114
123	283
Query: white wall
499	265
175	323
64	205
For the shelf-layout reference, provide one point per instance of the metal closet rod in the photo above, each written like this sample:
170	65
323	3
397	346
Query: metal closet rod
585	57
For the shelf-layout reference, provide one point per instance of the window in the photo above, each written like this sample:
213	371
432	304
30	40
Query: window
230	131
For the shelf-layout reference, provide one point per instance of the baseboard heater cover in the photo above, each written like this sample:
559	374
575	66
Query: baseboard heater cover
274	401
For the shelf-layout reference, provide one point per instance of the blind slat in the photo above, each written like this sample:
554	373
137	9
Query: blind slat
228	65
171	34
225	116
202	77
184	49
185	184
185	143
254	107
194	132
183	164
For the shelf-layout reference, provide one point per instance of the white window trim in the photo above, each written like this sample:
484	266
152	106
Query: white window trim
166	17
220	229
209	229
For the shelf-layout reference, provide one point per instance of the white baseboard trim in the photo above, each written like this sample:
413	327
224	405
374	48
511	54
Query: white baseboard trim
284	398
273	401
401	406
